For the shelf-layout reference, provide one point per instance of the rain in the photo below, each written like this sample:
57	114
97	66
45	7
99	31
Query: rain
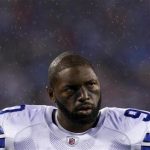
114	35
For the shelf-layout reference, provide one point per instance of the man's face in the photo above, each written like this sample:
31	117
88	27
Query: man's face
77	94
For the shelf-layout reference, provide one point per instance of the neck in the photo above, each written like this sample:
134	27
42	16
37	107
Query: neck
72	126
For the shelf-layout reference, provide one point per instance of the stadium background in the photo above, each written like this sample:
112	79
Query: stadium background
113	34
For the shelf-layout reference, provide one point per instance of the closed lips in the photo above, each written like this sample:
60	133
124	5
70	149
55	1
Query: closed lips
85	106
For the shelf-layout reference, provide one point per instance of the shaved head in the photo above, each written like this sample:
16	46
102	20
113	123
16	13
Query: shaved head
63	61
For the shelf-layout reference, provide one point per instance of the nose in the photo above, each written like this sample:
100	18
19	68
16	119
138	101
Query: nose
83	94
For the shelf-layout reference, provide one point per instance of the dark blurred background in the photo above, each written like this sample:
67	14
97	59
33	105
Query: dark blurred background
113	34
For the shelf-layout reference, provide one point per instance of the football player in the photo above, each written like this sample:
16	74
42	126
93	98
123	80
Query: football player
77	122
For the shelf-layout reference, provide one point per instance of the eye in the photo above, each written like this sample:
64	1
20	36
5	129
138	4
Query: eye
70	89
91	83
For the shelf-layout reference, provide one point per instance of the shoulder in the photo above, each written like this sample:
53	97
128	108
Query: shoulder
21	109
27	113
126	119
14	120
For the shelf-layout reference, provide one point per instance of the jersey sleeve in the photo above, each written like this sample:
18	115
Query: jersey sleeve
133	123
127	119
5	118
2	133
14	120
2	139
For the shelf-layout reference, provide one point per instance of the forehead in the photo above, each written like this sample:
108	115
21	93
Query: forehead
76	75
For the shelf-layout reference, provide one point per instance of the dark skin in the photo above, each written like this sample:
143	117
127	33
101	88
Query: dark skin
77	89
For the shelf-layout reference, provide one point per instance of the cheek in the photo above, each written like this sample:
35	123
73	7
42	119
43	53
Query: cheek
95	90
65	99
95	95
67	102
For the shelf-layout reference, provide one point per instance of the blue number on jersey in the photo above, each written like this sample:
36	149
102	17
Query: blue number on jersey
20	108
2	138
146	140
134	113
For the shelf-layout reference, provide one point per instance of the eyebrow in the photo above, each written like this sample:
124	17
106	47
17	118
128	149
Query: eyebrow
72	85
92	80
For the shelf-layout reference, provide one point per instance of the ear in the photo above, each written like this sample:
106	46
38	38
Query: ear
50	93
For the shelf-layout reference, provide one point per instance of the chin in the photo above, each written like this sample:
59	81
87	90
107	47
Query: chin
84	118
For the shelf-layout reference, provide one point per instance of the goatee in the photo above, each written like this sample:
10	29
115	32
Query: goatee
80	118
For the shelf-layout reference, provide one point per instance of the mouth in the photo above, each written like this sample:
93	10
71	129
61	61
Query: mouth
85	109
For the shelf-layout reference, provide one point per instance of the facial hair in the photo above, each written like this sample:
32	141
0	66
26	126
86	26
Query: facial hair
78	118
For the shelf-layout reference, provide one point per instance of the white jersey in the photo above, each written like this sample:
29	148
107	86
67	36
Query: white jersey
30	127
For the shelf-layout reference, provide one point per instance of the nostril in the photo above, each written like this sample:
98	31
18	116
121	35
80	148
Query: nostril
82	98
